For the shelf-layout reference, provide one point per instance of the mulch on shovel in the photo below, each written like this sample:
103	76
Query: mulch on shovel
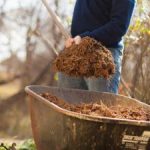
88	59
101	110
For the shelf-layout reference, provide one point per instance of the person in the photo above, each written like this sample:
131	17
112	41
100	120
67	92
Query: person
107	21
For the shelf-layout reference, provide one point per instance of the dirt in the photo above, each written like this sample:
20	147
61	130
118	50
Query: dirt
88	59
99	109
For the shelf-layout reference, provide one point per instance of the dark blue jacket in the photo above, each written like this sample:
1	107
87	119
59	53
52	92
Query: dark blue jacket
105	20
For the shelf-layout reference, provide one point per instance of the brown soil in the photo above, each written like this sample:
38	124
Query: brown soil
89	58
100	109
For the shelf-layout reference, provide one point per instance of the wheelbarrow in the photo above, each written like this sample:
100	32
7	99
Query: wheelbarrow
55	128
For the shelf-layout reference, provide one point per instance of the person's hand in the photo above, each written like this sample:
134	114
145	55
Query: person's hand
70	41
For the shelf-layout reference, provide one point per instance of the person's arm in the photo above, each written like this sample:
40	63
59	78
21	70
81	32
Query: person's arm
113	31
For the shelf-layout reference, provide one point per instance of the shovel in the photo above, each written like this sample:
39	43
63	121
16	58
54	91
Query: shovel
56	20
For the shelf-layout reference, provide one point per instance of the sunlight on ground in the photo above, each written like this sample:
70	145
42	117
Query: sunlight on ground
9	89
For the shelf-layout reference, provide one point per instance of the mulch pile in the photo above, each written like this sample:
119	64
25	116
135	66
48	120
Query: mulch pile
99	109
89	58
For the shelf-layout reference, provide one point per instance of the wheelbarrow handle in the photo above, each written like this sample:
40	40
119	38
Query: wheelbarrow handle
56	20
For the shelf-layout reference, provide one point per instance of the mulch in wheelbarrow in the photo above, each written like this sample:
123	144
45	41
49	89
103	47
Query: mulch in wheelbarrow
88	59
101	110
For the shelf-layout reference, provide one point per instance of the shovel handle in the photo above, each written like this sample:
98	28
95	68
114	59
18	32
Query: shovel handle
56	20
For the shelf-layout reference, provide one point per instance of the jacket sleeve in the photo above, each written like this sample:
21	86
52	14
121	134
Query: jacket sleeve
113	31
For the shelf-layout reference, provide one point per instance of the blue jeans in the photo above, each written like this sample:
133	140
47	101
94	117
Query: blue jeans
95	84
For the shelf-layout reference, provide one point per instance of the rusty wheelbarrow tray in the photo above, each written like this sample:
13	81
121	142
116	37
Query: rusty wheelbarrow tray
57	129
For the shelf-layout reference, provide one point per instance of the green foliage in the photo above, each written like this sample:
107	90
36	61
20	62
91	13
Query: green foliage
141	26
6	147
1	148
28	145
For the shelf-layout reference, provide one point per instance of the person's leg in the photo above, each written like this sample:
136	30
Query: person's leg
111	85
65	81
